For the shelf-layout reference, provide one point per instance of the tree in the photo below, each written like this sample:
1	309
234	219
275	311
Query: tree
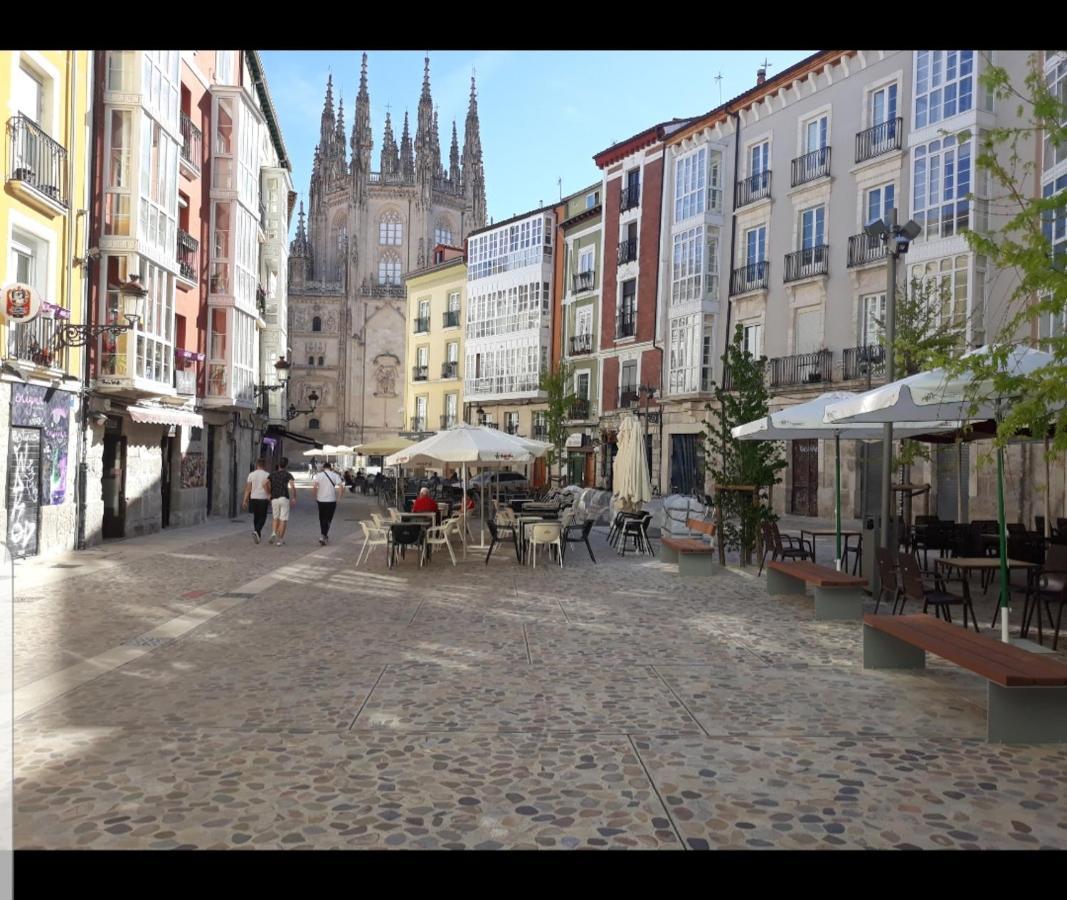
557	385
1023	248
734	462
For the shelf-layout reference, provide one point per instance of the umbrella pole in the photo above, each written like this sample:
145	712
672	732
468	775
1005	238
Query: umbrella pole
1048	491
837	495
1003	548
959	480
464	502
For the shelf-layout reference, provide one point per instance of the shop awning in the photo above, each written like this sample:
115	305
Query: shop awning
159	416
279	431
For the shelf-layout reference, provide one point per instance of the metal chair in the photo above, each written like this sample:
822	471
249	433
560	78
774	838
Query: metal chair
404	536
574	533
636	531
546	534
773	543
887	577
911	581
499	532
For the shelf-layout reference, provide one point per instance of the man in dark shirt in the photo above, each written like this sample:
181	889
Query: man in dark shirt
282	498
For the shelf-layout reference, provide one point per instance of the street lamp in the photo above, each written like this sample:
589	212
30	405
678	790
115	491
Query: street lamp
480	413
896	238
292	412
132	294
281	369
647	391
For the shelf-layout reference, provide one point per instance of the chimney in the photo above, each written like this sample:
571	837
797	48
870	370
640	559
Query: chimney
761	75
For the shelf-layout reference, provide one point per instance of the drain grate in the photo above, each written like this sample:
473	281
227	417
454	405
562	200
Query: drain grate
238	594
147	642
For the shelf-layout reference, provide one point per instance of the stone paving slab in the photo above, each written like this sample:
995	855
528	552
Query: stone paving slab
378	790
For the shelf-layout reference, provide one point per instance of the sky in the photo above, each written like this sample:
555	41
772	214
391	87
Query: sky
543	114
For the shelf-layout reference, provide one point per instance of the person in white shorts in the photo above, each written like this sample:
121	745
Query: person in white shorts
257	496
282	497
328	490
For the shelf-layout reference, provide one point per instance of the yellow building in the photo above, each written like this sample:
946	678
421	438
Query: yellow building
45	96
433	387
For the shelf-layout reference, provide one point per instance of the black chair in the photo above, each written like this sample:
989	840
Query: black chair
500	534
1050	586
856	551
773	541
574	534
887	578
911	582
635	530
403	536
617	524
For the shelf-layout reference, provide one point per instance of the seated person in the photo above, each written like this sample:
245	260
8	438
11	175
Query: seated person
424	502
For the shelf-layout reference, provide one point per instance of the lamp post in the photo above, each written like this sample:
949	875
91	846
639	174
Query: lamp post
647	391
292	412
281	369
480	413
131	293
896	238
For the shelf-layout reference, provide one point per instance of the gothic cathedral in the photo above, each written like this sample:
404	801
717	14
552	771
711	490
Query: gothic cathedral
363	231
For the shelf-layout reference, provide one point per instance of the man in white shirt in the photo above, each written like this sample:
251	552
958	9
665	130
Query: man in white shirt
328	490
257	496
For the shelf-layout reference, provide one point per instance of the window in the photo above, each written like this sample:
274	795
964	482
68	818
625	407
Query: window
155	331
759	158
755	245
158	200
222	163
442	233
424	310
1057	83
453	301
1054	229
511	422
813	227
713	263
313	424
160	84
451	405
452	352
872	319
752	339
28	94
687	268
316	324
628	376
815	134
389	269
585	259
321	363
941	175
627	308
224	66
705	353
592	200
423	357
390	229
715	183
944	84
117	187
583	321
681	378
883	107
948	278
120	71
879	201
690	173
311	360
29	261
581	385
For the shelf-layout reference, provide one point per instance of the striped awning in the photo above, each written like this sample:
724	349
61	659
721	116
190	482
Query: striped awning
159	416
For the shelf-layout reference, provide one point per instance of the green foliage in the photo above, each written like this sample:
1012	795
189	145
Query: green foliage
557	385
734	462
1020	250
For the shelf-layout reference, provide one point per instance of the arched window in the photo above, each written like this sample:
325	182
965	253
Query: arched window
320	361
390	229
313	424
311	360
442	232
389	269
316	324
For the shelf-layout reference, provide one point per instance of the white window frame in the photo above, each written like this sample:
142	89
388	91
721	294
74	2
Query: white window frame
761	245
583	320
711	255
949	271
930	99
690	184
883	205
687	265
764	145
932	163
871	308
817	215
752	337
586	259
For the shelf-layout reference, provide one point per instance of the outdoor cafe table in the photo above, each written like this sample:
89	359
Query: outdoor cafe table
522	522
967	564
828	533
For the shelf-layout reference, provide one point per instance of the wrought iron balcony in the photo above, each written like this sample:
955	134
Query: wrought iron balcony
451	319
582	281
448	421
630	197
863	362
579	409
755	187
807	262
372	287
864	249
811	166
751	277
625	324
540	431
878	139
34	342
36	160
420	373
418	423
450	369
422	324
187	247
628	396
191	143
802	368
581	343
627	250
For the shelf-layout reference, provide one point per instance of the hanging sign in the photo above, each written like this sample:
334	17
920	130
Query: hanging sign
19	303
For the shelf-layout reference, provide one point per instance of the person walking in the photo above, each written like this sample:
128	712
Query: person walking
257	496
282	499
328	490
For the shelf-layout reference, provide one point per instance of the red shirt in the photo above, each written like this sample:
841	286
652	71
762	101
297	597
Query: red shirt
424	504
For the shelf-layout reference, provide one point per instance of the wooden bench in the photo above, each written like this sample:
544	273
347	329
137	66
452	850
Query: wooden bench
693	557
1027	694
838	595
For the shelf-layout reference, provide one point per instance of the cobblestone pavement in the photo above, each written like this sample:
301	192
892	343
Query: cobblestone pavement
192	689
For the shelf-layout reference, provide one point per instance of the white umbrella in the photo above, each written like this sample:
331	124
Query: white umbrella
630	481
805	420
935	395
315	453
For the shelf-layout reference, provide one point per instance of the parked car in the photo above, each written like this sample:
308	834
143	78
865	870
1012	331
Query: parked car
506	482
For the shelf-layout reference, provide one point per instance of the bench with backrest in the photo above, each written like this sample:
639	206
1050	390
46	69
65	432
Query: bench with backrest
693	555
1027	694
838	595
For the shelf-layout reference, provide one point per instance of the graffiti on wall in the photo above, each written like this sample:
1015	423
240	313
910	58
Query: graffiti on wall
192	470
23	491
49	410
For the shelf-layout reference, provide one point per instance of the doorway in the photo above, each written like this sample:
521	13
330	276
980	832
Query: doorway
113	485
212	436
948	483
167	447
805	493
687	464
24	491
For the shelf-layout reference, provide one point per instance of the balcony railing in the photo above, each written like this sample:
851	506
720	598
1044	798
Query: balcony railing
450	369
511	428
579	409
581	343
627	250
372	287
418	423
625	323
863	362
811	166
448	421
751	277
37	160
627	395
864	249
802	368
191	143
807	262
187	247
630	197
422	324
451	319
540	431
755	187
582	281
32	342
420	373
878	139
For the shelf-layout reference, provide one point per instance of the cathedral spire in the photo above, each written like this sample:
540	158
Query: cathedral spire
473	172
390	160
407	158
438	171
362	141
425	164
453	158
300	242
326	125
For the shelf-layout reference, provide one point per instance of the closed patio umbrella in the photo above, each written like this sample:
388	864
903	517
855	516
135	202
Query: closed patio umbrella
630	482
